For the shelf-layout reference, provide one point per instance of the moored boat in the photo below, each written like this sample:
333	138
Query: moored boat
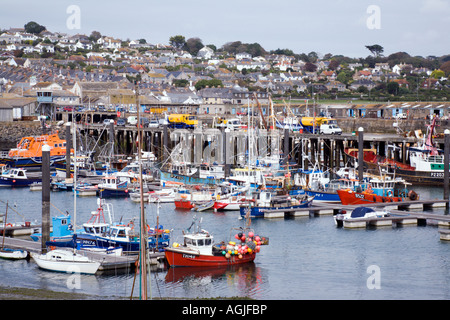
13	254
198	250
68	261
266	201
360	213
18	177
28	153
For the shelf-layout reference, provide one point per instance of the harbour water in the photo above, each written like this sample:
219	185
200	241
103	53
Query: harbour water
307	258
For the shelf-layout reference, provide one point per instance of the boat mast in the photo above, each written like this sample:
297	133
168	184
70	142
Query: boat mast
4	225
143	230
74	143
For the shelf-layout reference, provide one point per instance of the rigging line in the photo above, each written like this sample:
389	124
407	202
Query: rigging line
12	208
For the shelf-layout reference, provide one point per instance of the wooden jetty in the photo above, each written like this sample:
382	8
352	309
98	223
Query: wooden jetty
108	262
334	208
400	215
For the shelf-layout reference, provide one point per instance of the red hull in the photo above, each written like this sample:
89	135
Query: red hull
351	198
220	205
176	258
183	204
374	160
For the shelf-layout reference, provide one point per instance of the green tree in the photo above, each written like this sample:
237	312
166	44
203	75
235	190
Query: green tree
376	49
34	27
193	45
95	35
392	87
177	42
210	83
437	74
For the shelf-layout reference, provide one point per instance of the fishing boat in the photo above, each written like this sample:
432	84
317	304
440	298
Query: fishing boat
165	195
426	161
113	186
63	260
28	153
199	250
187	198
385	192
265	200
18	177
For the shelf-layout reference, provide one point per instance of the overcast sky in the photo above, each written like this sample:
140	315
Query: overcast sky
418	27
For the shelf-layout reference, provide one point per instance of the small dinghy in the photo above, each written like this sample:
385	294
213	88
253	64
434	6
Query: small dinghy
13	254
204	206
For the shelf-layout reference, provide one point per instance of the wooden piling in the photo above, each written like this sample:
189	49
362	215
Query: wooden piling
45	197
68	147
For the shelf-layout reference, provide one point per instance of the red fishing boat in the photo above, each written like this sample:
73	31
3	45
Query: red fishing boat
349	197
198	250
188	199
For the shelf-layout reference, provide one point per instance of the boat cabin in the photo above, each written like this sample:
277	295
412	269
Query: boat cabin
201	242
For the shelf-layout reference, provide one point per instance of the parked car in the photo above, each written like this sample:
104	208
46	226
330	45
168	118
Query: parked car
153	123
401	116
132	120
121	122
108	121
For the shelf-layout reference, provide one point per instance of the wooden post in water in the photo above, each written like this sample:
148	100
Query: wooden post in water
360	154
45	197
165	143
446	164
286	146
68	147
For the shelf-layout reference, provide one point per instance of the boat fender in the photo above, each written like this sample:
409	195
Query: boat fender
412	195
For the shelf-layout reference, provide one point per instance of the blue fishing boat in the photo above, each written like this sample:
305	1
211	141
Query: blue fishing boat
18	177
113	186
265	200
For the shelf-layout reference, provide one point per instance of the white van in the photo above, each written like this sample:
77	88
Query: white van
234	124
132	120
330	129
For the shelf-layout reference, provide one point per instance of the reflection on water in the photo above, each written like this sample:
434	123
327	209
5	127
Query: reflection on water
307	258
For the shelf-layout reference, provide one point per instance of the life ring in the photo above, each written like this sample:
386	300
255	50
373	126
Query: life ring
412	195
9	225
390	193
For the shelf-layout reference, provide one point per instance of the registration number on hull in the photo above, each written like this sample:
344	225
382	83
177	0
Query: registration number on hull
188	256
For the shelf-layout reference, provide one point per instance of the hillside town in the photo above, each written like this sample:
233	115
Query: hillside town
98	70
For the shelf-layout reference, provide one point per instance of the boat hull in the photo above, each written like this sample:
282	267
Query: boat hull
112	193
12	254
355	198
14	182
179	258
258	211
322	196
189	180
67	266
31	163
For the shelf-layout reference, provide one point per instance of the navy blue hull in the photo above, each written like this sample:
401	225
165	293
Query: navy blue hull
9	182
258	212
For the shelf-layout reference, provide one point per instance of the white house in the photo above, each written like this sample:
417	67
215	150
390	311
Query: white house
243	55
44	47
85	45
205	53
